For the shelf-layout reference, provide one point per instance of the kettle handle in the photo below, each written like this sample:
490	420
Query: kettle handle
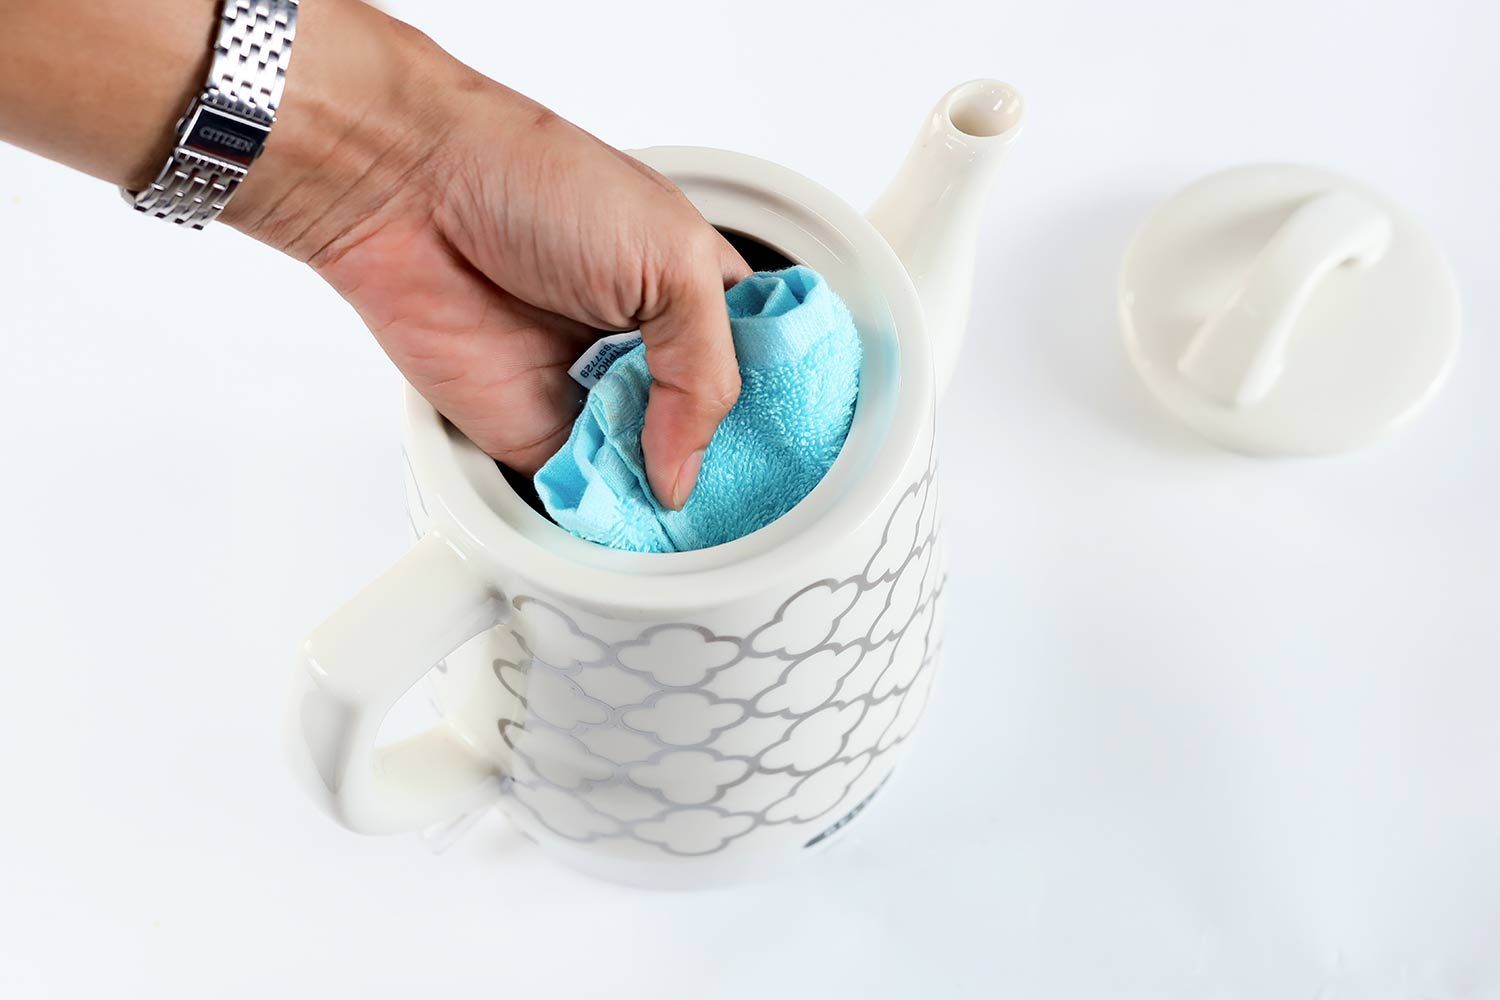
356	666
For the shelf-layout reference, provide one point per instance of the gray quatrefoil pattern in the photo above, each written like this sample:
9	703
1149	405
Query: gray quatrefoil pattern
725	735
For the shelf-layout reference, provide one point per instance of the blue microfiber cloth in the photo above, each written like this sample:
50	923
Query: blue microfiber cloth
799	359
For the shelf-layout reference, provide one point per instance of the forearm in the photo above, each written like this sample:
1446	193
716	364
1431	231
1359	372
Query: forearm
99	86
483	239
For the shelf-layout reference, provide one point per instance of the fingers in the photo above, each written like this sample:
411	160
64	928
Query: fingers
507	386
732	264
549	399
695	380
492	364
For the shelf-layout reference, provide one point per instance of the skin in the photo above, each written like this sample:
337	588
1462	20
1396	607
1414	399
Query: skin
484	240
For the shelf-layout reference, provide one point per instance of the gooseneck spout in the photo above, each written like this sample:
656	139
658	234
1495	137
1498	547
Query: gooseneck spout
930	212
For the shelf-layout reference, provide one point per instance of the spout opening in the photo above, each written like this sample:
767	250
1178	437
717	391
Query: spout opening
983	109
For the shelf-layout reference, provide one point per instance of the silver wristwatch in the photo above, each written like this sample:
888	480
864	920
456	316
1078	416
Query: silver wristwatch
226	126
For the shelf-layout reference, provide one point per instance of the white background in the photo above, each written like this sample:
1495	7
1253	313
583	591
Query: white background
1208	727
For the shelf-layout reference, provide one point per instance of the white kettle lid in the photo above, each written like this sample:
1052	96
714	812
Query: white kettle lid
1281	310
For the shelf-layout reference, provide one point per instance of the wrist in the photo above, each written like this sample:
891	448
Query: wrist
364	110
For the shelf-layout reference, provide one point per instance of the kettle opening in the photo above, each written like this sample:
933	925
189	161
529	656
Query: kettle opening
984	109
775	216
761	256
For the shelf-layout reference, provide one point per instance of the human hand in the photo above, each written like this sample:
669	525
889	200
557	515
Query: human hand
485	241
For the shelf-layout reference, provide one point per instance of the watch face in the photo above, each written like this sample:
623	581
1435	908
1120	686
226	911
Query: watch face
223	136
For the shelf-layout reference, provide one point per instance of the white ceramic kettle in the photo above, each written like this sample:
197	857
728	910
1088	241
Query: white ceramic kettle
692	717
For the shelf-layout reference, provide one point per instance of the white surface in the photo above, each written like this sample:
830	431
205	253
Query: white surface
1282	310
1209	726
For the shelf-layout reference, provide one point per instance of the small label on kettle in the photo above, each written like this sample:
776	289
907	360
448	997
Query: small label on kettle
601	354
848	817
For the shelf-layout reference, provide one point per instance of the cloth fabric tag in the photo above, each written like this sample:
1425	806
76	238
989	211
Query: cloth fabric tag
602	353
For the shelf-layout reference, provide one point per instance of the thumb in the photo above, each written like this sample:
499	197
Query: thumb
695	381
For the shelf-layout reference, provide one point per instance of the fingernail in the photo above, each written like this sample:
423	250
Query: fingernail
687	478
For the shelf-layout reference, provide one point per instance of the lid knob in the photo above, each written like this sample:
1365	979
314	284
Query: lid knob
1285	310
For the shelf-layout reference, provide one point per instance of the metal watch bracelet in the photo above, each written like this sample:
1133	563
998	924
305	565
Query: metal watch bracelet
225	127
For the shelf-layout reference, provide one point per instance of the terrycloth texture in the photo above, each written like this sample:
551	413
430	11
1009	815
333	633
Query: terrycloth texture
799	359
